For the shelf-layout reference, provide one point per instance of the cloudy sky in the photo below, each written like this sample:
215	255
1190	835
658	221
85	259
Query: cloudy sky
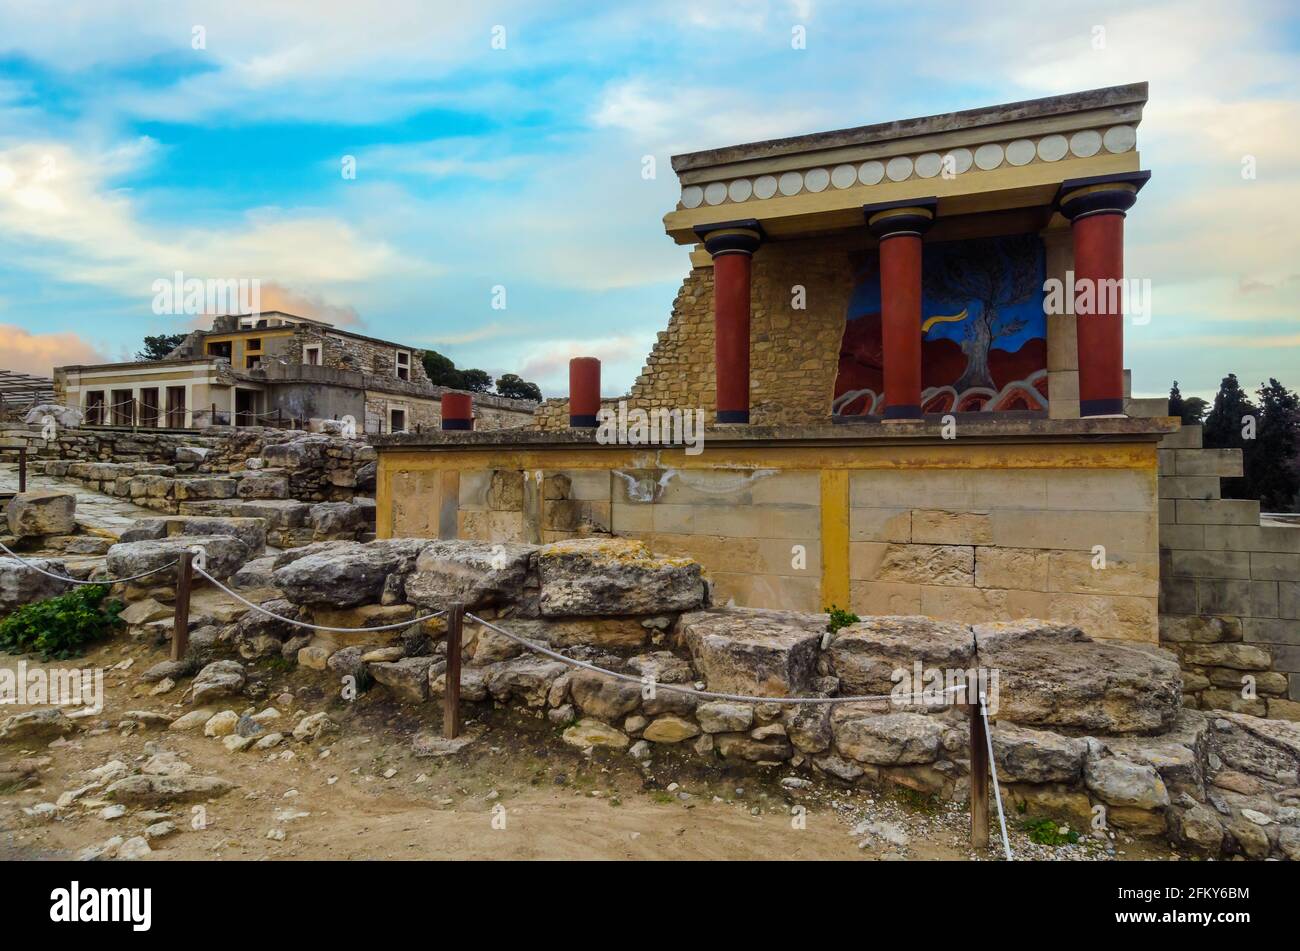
127	154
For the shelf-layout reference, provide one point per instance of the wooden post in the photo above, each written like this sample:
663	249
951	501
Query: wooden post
181	619
22	468
979	778
451	696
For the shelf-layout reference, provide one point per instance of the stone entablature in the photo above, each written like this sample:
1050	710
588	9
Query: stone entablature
1021	150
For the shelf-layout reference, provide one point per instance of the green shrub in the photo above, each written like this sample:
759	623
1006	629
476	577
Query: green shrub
1049	832
840	618
61	627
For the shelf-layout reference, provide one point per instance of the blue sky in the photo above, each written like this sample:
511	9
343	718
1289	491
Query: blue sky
127	154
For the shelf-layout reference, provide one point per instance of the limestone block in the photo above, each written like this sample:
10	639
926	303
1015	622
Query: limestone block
42	512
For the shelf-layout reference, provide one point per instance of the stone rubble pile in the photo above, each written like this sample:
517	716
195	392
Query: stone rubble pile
1079	724
307	487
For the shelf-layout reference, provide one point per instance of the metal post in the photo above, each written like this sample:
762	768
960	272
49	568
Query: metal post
979	779
22	468
451	696
181	619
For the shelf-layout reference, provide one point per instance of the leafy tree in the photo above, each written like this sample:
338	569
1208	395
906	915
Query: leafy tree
1274	473
1190	410
440	370
476	381
443	372
158	346
1231	417
511	385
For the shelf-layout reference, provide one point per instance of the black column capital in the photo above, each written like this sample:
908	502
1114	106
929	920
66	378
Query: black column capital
892	219
1099	194
731	237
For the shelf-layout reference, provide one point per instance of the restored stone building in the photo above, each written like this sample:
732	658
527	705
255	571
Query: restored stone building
273	368
907	342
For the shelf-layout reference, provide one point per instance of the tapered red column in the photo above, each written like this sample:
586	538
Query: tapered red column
899	226
1096	208
584	392
732	245
457	411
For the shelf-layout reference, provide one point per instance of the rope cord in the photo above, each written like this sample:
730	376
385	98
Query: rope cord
677	688
108	581
993	767
316	627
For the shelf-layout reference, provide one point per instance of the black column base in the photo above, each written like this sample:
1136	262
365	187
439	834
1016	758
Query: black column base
903	412
733	416
583	422
1107	407
458	424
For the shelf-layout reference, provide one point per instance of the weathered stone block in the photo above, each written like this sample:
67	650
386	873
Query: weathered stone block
888	739
866	655
752	651
42	512
614	577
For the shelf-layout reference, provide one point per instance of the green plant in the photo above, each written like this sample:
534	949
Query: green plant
1049	832
61	627
840	618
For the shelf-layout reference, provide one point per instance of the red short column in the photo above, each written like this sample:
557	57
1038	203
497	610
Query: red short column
584	392
732	245
457	411
899	226
1096	208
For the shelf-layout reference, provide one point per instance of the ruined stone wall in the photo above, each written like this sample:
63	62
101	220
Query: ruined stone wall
970	534
1229	586
794	353
355	353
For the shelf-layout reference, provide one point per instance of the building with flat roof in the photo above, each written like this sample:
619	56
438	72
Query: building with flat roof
274	368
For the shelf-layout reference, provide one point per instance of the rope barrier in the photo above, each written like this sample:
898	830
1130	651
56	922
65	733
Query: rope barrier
677	688
107	581
993	767
316	627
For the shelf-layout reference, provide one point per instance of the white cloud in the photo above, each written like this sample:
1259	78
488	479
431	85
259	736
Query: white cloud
63	217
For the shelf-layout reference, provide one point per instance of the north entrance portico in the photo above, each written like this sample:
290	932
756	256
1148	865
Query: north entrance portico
1047	167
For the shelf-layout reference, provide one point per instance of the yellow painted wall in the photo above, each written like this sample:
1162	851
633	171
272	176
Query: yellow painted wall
972	532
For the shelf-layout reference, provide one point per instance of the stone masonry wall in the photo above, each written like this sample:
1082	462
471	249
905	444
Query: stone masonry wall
794	354
1229	586
970	544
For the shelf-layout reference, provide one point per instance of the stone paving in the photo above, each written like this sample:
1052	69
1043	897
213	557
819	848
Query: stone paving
94	509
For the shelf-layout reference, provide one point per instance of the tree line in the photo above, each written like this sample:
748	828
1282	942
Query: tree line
1265	429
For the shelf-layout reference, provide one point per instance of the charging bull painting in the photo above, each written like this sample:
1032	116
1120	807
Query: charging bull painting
984	332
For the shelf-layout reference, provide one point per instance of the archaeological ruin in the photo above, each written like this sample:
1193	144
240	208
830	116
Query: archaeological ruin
910	467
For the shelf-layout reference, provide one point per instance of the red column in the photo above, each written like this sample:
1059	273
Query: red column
899	226
732	245
1096	209
457	411
584	391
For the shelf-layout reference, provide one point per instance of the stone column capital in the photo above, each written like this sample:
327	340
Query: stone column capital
910	217
1099	195
731	237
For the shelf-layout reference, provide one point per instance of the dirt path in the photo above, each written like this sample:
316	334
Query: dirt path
516	792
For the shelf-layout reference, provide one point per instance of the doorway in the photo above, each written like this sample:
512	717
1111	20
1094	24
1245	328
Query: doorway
176	407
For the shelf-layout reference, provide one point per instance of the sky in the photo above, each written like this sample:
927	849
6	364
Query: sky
501	145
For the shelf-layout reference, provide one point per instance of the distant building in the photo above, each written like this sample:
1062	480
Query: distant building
273	368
